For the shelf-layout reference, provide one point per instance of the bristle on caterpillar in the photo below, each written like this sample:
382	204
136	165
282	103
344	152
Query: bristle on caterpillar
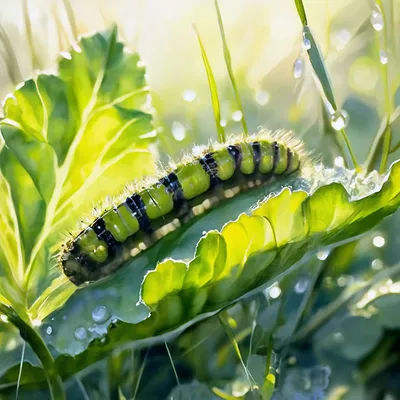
153	207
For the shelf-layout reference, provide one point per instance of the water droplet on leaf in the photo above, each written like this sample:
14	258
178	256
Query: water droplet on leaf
378	241
80	333
100	314
49	330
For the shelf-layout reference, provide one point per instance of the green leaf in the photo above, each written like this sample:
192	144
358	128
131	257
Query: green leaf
70	140
184	280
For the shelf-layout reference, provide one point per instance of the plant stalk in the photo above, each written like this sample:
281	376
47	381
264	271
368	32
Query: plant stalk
31	336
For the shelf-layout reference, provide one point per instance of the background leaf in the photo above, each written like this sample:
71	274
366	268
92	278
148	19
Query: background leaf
88	127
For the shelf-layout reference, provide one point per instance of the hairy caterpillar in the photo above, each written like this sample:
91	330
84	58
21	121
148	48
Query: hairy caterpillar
156	208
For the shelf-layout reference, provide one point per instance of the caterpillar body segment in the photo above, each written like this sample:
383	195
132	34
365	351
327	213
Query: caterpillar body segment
145	216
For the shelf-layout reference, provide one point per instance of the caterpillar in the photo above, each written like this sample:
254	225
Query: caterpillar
155	208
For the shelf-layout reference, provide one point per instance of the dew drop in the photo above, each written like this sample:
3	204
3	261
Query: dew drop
275	292
262	97
339	162
338	337
237	115
298	68
340	38
377	264
339	119
4	318
342	281
189	95
36	322
178	130
140	64
100	314
323	255
80	333
377	20
292	360
378	241
306	41
222	123
64	317
49	330
383	57
66	55
301	285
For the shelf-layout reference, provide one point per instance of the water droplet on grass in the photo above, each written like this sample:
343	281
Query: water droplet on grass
100	314
383	57
237	115
339	119
301	286
298	68
377	20
178	131
306	41
262	97
49	330
323	255
189	95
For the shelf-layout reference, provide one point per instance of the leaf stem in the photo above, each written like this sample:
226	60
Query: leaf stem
213	89
31	336
228	63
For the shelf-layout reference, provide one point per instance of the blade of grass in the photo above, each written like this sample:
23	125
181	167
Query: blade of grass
141	370
225	324
20	370
29	34
225	396
301	11
321	72
172	364
10	58
388	103
269	381
71	18
228	63
213	89
376	147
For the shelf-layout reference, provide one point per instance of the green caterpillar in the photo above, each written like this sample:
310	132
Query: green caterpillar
150	213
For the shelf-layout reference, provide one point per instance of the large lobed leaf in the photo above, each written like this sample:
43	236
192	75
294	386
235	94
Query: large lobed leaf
256	249
68	140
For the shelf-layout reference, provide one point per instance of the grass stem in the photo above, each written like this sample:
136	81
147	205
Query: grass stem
318	64
228	63
213	89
